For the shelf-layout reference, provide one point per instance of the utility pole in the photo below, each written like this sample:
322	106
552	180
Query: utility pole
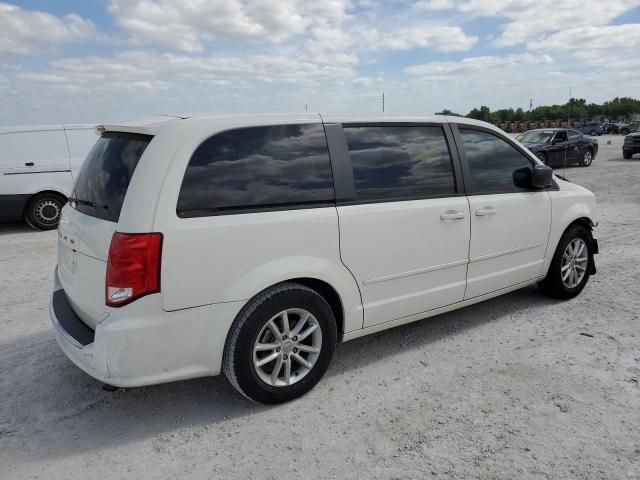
569	110
306	107
530	106
382	102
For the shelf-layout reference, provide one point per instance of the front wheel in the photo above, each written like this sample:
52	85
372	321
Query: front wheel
587	158
281	344
43	211
627	155
571	264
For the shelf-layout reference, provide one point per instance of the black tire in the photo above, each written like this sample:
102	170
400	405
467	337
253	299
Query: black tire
43	211
587	158
552	285
593	133
626	155
238	364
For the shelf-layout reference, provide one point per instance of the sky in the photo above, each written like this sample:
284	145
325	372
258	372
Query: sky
86	61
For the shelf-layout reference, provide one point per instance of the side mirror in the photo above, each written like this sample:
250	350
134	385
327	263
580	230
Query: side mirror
542	176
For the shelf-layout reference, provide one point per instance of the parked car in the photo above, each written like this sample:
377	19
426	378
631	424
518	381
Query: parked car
560	146
631	145
628	128
613	128
38	165
253	244
591	128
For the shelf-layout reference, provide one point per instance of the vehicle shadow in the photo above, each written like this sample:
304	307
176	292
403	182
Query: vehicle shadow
12	228
52	409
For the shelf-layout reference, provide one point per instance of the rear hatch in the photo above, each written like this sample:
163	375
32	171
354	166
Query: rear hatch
91	217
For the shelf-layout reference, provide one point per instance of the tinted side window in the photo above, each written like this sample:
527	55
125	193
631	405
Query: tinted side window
258	167
399	162
573	135
495	165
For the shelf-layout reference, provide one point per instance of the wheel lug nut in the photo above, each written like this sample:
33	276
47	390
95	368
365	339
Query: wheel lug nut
284	337
277	349
295	339
285	356
295	350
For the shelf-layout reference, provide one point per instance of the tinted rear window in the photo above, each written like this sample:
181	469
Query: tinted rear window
106	173
258	168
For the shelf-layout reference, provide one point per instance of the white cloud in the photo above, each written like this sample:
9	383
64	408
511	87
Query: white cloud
434	5
152	71
529	19
476	64
442	38
587	39
188	26
27	31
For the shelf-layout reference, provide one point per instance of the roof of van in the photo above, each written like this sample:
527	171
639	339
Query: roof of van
45	128
151	125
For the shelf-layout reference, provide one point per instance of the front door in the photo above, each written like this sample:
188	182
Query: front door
405	238
510	221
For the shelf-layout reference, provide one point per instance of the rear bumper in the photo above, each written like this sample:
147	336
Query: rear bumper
142	344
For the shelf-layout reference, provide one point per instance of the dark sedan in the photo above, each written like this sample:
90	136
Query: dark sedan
560	146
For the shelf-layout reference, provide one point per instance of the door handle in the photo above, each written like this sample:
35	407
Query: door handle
452	215
29	164
481	212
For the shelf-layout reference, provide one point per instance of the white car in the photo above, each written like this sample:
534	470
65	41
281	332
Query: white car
253	244
38	165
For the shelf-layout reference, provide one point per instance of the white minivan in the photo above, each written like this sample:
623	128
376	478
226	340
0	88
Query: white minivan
253	244
38	165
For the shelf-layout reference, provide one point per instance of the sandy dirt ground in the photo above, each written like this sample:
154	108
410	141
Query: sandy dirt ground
517	387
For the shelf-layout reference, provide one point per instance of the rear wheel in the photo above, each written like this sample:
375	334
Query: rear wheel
43	211
587	158
571	264
280	345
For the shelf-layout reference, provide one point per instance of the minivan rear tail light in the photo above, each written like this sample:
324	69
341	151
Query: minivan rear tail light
133	267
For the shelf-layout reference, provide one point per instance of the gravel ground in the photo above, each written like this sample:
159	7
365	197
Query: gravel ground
516	387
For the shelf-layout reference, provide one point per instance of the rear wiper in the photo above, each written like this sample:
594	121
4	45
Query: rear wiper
88	203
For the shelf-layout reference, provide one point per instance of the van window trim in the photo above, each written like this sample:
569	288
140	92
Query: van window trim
466	171
458	179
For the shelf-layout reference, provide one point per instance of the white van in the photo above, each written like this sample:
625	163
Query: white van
38	165
253	244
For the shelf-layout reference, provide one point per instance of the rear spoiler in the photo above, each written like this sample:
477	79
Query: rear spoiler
144	126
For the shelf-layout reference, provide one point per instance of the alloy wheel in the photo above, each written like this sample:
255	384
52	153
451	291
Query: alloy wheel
287	347
574	263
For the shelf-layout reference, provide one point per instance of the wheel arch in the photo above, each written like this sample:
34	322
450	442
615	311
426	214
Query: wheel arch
332	297
322	288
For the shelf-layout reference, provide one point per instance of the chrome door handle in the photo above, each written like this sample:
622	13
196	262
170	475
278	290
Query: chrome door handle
452	215
480	212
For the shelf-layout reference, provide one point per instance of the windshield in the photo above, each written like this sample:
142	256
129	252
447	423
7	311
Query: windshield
535	136
106	173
